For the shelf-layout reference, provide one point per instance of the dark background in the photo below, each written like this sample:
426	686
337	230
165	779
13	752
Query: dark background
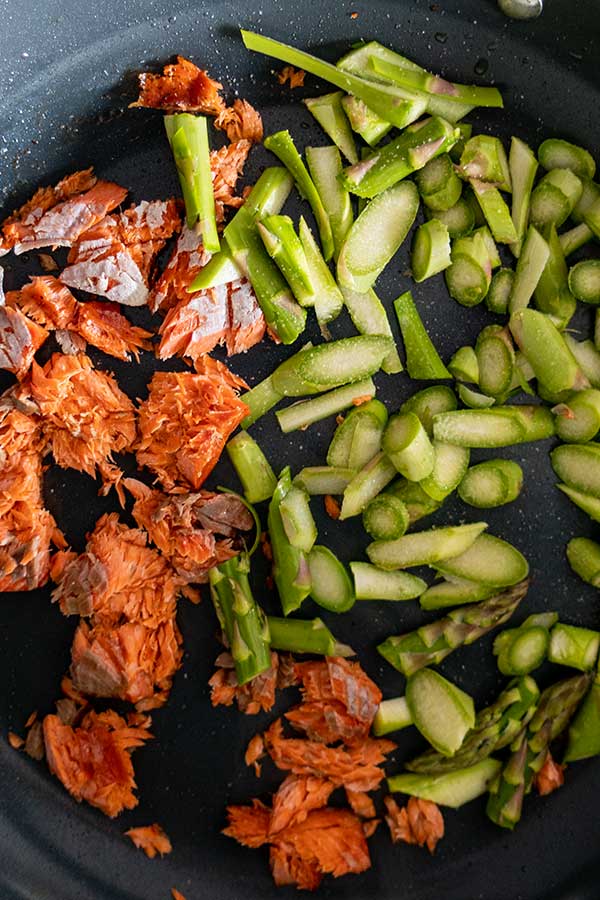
67	75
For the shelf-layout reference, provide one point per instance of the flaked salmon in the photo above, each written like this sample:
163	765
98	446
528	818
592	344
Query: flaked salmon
257	695
20	339
45	198
194	532
419	822
115	258
227	164
228	314
295	798
241	122
186	421
187	259
86	416
93	761
151	839
117	578
550	777
52	305
182	87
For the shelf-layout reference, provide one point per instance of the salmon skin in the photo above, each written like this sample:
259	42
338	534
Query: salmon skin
182	87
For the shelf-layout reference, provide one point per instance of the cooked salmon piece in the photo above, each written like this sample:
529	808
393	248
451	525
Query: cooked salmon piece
86	416
26	533
253	697
115	258
249	825
227	164
182	87
186	421
64	223
254	753
419	822
288	868
52	305
93	761
295	77
20	425
20	339
326	721
45	198
240	122
356	767
195	532
550	777
295	798
117	578
227	314
187	259
132	662
151	839
361	804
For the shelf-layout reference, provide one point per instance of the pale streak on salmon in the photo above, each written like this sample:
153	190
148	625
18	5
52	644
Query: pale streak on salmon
93	761
86	416
63	224
228	314
44	199
187	259
52	305
185	422
227	164
195	532
20	338
182	87
115	258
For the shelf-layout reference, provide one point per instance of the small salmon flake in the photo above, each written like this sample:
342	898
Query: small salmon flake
15	741
254	752
265	546
241	122
31	719
339	419
332	507
176	895
550	777
419	822
294	76
354	15
182	87
370	827
151	839
365	398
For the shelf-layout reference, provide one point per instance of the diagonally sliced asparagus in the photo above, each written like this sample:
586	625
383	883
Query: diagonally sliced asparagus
325	166
329	113
425	547
369	317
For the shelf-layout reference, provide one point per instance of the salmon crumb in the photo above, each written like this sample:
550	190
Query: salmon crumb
365	398
151	839
550	777
31	719
254	752
15	741
294	76
419	822
340	419
177	895
332	507
265	546
354	15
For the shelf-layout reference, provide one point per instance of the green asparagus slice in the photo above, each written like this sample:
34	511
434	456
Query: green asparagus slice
285	249
325	167
441	711
488	560
591	218
473	399
422	359
548	354
584	558
319	480
468	277
464	367
521	650
495	360
332	587
307	412
328	299
495	727
456	592
587	356
449	466
392	715
554	198
260	399
357	439
252	467
433	84
305	636
372	583
439	185
578	465
401	157
418	503
557	154
369	317
589	195
492	483
584	731
407	446
497	427
466	132
584	281
329	113
188	137
532	262
364	121
575	238
552	290
297	520
220	269
429	402
573	646
242	620
397	106
523	166
589	504
430	252
501	288
556	707
282	145
376	235
385	518
495	210
453	788
458	219
578	418
484	159
424	548
366	484
315	369
290	566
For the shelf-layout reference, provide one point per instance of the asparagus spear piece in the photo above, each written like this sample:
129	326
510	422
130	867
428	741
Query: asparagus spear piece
497	427
331	586
584	731
297	520
357	439
188	137
426	404
324	479
305	636
418	503
372	583
463	366
453	788
492	483
407	446
454	593
468	277
458	219
329	113
401	157
325	166
282	145
432	643
589	504
495	727
557	154
488	560
532	261
260	399
328	299
430	252
521	650
432	84
252	467
548	354
573	646
376	235
424	548
439	185
306	412
584	558
366	484
556	707
578	418
523	166
364	121
242	620
552	293
575	238
369	317
578	465
440	710
385	518
495	210
584	281
484	159
450	464
398	106
422	359
285	249
392	715
290	566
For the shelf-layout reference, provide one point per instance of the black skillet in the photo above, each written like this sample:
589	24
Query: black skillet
66	70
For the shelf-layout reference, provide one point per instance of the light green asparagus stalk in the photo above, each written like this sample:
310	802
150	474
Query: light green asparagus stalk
529	751
305	636
284	247
432	643
188	137
242	620
496	726
290	566
252	466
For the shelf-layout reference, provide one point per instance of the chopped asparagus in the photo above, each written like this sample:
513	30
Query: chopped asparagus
422	359
385	518
307	412
495	210
433	84
497	427
441	711
252	467
358	438
364	121
578	417
552	290
464	367
304	636
589	504
392	715
578	465
584	558
372	583
488	560
495	361
449	466
297	520
492	483
328	300
573	646
285	249
454	593
458	219
290	566
584	281
325	167
468	277
557	154
554	197
453	788
484	159
501	288
439	185
329	113
407	446
577	237
521	650
324	479
430	253
332	587
260	399
545	348
366	484
523	166
532	262
429	402
418	503
584	731
369	317
425	548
